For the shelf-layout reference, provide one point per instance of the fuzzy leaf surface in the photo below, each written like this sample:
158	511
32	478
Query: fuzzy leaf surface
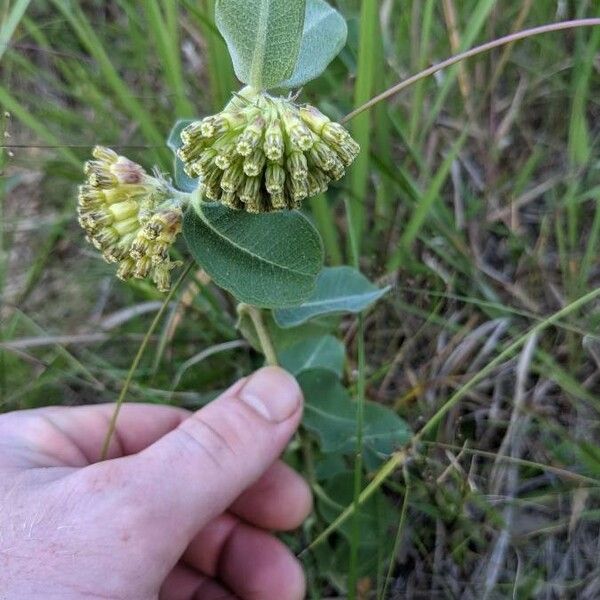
325	352
268	260
330	414
325	34
338	290
263	37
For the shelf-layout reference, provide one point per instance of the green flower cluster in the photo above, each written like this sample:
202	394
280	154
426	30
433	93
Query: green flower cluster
262	153
130	216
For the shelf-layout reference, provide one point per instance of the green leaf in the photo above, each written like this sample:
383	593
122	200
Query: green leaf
325	352
263	37
328	466
324	36
268	260
338	289
330	414
181	179
174	139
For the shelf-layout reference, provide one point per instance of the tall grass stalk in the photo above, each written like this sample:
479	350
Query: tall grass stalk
138	357
508	39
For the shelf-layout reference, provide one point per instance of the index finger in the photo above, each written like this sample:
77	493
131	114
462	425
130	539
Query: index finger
73	436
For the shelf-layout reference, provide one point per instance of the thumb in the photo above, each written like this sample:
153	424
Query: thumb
194	473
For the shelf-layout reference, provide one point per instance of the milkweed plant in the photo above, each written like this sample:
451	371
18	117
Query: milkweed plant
236	196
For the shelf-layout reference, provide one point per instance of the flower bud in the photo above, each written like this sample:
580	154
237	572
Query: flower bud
251	137
323	156
126	269
275	178
232	178
299	190
314	118
250	194
297	165
300	135
232	200
317	184
278	201
274	146
255	163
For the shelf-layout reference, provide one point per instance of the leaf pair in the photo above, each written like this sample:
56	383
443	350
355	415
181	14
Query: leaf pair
280	43
275	261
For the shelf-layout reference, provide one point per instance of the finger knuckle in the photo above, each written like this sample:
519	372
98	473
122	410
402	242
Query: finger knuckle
222	439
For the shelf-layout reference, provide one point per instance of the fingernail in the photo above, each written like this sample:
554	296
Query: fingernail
273	393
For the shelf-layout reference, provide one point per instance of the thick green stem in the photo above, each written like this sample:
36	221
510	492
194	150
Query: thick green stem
264	337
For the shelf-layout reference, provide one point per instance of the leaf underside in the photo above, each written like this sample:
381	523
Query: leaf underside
330	414
181	179
338	290
263	37
325	34
269	260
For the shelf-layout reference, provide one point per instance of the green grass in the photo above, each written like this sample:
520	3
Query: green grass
483	210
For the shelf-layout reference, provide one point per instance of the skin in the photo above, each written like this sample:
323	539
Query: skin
184	507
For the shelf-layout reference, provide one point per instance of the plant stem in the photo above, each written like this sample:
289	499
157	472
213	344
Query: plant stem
358	460
136	361
264	337
360	405
399	533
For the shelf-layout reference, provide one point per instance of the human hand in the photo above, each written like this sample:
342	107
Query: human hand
182	509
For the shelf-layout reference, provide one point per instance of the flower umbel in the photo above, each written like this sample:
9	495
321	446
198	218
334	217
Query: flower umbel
263	153
130	216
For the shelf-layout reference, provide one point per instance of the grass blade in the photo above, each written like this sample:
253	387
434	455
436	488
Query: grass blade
90	40
472	29
419	90
579	136
136	361
367	66
11	23
167	43
424	206
220	69
13	106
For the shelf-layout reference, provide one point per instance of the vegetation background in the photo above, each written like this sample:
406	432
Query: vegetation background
478	191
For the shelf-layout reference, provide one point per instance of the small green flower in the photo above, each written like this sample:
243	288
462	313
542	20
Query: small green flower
130	216
263	153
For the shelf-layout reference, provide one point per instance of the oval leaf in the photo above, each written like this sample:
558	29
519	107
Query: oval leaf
325	352
324	36
330	414
270	260
338	289
181	179
263	37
